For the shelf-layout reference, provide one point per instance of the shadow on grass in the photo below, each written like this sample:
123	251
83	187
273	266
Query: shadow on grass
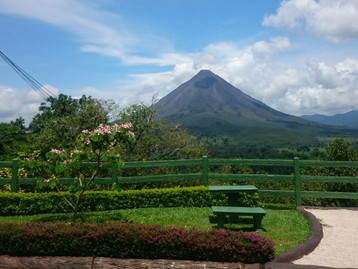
89	217
244	225
279	206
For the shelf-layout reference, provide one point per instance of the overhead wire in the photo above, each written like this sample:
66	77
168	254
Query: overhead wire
32	82
43	91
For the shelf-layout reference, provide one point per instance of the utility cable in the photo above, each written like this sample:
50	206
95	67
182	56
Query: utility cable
32	82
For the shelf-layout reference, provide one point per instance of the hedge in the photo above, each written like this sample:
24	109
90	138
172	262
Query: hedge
127	240
39	203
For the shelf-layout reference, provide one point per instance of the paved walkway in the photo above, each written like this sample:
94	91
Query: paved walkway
338	247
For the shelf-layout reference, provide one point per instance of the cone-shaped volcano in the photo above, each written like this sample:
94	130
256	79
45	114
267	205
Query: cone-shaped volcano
207	104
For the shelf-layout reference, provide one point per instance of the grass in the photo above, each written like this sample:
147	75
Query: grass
283	224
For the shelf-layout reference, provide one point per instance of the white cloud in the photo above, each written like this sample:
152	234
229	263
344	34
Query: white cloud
15	103
324	89
8	102
87	21
335	20
318	87
276	45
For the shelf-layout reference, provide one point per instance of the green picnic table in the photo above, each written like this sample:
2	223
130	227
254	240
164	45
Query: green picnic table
233	192
232	212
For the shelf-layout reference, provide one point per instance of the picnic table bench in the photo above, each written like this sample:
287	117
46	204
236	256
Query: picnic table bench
232	212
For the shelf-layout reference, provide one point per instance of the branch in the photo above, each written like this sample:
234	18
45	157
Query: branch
64	197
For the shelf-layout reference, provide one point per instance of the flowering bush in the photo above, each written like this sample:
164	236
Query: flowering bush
125	240
99	146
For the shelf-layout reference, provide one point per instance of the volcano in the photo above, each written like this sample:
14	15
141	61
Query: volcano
209	105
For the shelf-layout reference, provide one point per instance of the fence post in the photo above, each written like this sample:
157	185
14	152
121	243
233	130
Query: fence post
296	165
205	171
14	175
114	173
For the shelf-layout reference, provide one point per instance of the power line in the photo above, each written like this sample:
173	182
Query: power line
32	82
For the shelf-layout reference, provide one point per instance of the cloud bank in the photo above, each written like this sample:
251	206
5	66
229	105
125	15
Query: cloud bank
335	20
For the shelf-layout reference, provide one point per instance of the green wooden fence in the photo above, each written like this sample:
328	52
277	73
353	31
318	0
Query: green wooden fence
205	175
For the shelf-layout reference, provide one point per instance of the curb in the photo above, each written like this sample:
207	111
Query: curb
309	245
40	262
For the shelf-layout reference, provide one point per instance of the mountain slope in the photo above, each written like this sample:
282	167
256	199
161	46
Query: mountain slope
207	104
349	119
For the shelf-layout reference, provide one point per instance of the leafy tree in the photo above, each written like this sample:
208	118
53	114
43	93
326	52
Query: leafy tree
156	140
340	150
61	120
13	138
98	147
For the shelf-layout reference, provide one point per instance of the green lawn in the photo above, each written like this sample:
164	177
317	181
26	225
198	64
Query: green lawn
283	224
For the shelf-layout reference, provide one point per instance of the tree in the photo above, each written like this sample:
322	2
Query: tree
61	120
340	150
13	138
156	140
98	147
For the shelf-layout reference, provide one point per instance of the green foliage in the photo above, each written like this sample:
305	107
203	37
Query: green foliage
156	140
340	150
101	146
38	203
13	138
62	119
261	143
32	203
337	150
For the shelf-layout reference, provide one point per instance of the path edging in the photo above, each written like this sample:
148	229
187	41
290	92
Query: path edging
306	247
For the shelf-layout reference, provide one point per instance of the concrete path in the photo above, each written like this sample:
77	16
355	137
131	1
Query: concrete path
339	245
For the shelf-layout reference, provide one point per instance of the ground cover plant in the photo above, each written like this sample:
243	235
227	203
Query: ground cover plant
283	224
128	240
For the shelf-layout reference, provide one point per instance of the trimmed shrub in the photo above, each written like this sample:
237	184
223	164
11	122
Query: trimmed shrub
38	203
125	240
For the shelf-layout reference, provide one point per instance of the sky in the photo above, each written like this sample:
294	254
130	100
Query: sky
297	56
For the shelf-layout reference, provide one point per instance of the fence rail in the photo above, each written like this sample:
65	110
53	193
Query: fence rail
205	175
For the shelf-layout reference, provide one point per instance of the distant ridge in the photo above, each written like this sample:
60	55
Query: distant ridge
349	119
209	105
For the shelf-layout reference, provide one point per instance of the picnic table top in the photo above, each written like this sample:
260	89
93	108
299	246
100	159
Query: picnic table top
238	210
233	189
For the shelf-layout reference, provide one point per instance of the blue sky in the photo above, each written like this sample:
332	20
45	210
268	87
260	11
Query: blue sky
297	56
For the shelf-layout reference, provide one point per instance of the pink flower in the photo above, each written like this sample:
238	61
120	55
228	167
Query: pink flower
65	162
126	125
87	142
130	133
47	180
58	151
